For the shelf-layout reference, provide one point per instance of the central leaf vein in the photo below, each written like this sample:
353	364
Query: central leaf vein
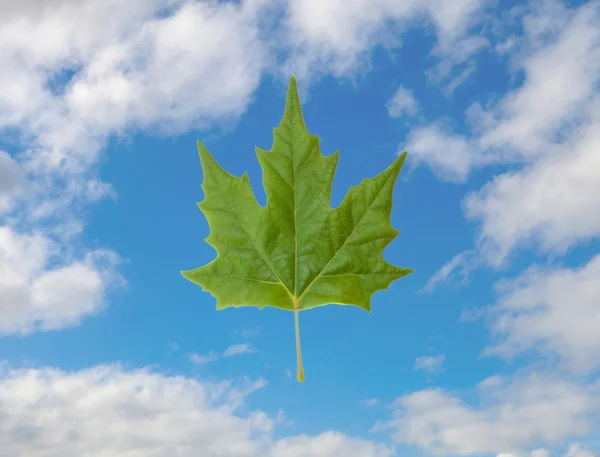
265	258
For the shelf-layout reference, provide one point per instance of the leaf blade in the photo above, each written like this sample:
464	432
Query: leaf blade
296	252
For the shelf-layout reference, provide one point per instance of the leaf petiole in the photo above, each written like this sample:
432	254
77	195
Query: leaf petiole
300	369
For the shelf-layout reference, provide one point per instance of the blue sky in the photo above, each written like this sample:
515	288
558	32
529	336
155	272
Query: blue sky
491	347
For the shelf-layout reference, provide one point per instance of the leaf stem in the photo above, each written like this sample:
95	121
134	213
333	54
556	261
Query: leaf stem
300	369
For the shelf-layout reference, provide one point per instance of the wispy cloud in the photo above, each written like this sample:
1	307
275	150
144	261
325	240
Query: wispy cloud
456	270
402	103
173	347
250	332
237	349
369	402
212	356
430	364
202	359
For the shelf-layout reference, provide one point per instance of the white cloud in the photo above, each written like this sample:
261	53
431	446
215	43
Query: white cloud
124	66
37	296
231	350
574	450
11	175
430	364
107	412
11	181
461	264
131	68
556	311
514	414
402	103
250	332
548	127
535	119
451	157
453	19
540	202
369	402
540	453
75	73
104	411
335	37
454	47
460	79
456	53
577	450
236	349
532	119
202	359
555	118
328	444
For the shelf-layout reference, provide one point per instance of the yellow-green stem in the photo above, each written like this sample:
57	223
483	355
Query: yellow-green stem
300	369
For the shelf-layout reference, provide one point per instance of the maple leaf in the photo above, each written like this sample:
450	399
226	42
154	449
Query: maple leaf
296	252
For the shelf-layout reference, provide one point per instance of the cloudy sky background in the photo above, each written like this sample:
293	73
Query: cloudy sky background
492	346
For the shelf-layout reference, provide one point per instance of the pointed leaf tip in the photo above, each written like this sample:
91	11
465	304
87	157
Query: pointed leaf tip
201	148
202	152
293	87
399	162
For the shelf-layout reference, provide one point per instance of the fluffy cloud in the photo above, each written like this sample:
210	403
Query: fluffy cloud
336	36
138	65
532	119
540	202
105	411
10	174
11	181
555	311
75	73
328	444
450	156
537	118
122	66
35	296
574	450
547	127
513	414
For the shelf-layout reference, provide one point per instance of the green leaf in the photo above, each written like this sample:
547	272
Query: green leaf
296	253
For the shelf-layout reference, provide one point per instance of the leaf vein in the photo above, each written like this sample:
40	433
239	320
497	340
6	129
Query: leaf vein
344	243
